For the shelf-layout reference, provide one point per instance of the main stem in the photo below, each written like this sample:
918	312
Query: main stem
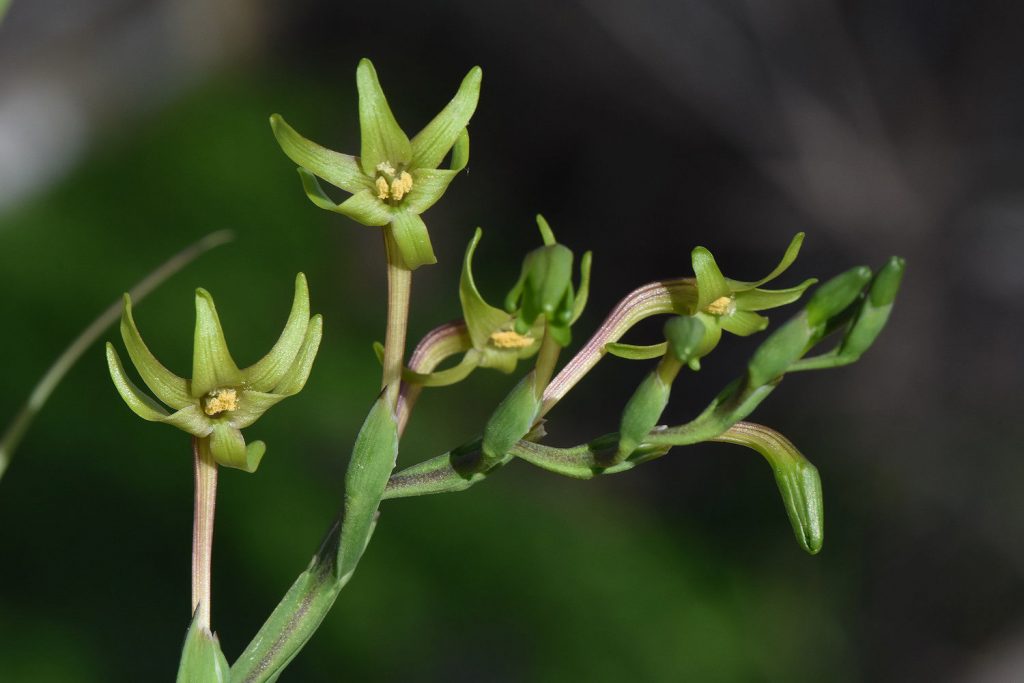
202	529
399	290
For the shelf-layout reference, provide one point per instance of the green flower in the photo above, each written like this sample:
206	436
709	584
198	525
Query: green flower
544	290
395	179
730	305
220	400
501	338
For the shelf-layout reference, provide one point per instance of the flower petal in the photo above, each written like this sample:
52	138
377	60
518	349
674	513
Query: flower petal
190	419
363	207
141	404
481	318
743	323
584	291
382	139
227	446
427	187
636	351
410	234
711	284
787	260
340	170
443	378
212	365
268	371
431	144
251	405
295	378
167	386
764	299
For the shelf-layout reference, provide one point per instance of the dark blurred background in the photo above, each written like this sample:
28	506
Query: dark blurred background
640	129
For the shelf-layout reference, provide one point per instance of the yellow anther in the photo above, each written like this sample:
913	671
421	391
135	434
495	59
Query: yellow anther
401	185
382	188
385	167
510	339
720	306
219	401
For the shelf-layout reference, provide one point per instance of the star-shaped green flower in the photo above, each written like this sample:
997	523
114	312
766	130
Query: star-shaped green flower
395	179
730	305
220	400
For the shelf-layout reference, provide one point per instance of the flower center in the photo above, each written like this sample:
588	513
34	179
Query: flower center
720	306
219	401
391	183
510	339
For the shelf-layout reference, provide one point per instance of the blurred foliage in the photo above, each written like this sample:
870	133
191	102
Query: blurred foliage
526	577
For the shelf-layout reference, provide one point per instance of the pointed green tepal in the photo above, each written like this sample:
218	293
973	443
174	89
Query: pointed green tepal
431	144
481	318
711	284
201	658
212	365
383	141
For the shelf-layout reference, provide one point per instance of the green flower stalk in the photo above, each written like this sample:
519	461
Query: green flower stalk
220	399
396	178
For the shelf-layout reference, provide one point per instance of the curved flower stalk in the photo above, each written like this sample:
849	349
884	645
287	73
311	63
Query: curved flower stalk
395	179
220	399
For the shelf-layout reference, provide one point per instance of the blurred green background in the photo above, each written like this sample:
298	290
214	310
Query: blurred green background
129	129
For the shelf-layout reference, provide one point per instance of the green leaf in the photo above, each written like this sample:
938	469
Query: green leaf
481	318
792	251
431	144
413	240
711	284
340	170
382	139
269	370
167	386
373	458
201	658
511	420
212	365
797	479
